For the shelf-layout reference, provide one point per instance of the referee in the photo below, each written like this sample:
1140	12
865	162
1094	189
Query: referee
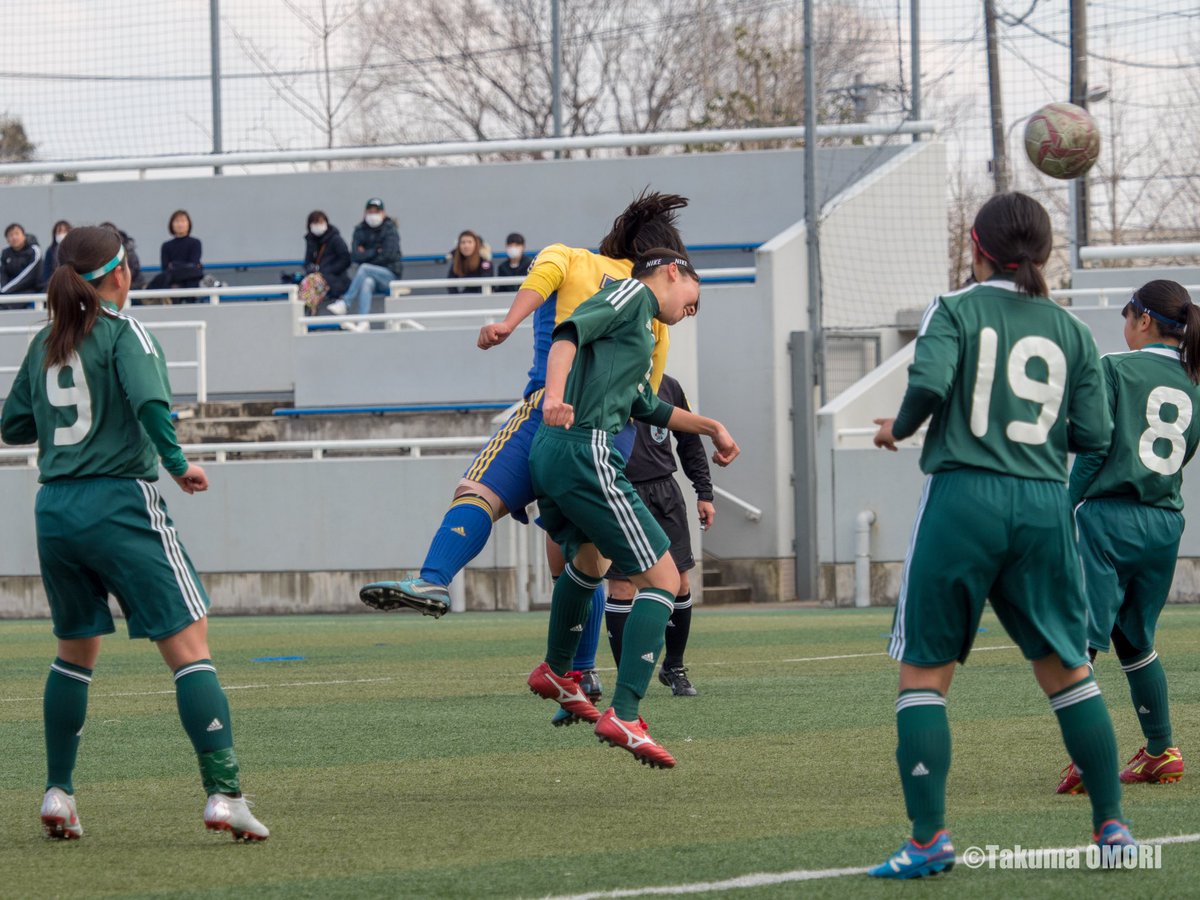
651	469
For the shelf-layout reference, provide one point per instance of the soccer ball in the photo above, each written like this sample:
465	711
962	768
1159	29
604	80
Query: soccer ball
1062	140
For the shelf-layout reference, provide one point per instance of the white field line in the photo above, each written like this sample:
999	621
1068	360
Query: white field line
228	687
765	879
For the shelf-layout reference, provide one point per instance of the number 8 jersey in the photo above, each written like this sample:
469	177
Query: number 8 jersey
1019	382
83	414
1154	405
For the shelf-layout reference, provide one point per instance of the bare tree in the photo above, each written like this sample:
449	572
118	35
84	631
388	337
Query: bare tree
326	94
15	145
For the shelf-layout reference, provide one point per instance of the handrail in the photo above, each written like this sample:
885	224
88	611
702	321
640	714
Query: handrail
318	449
201	340
1137	251
753	513
289	292
487	282
1103	292
467	148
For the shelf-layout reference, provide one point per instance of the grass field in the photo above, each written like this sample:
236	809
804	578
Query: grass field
404	757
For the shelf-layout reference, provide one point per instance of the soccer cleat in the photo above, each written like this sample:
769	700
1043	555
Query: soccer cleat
1070	781
589	683
675	677
915	861
1113	833
59	818
564	690
562	718
225	813
416	593
1162	769
634	737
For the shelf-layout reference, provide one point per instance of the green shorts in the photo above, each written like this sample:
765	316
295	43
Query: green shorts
981	536
1128	551
101	536
584	498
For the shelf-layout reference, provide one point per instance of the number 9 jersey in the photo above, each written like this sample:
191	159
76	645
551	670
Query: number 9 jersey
1154	405
1019	379
84	414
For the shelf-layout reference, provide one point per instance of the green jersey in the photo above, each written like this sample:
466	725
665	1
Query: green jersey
83	415
1019	381
1153	404
610	378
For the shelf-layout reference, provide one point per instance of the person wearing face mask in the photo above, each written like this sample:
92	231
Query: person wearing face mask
515	262
376	249
50	260
326	253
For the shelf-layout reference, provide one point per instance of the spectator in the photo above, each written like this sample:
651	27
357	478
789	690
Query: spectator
19	264
181	265
50	260
377	251
515	261
326	254
136	280
472	258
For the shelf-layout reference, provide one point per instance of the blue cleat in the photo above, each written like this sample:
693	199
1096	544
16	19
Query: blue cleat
914	861
415	593
1115	841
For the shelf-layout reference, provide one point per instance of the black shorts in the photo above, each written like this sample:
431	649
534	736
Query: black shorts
665	501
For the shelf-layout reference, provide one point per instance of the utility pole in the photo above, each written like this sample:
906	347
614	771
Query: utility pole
915	75
999	153
556	70
1079	96
214	70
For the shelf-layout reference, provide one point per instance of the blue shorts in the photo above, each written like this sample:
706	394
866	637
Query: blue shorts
502	466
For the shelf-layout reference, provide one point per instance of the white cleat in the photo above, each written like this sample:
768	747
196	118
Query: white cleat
225	813
59	818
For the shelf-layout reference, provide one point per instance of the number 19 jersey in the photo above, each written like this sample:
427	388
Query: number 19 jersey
1154	405
1019	379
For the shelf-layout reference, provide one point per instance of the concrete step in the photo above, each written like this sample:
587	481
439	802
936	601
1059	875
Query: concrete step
728	594
713	576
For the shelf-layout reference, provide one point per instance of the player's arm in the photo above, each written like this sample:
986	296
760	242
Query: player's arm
1090	413
690	450
17	425
544	278
555	411
1089	463
934	365
686	421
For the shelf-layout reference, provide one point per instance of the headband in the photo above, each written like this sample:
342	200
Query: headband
1139	307
106	268
1012	266
646	265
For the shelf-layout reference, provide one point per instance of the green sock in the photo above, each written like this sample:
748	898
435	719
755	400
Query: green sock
923	756
204	712
64	708
1088	733
641	640
569	608
1148	690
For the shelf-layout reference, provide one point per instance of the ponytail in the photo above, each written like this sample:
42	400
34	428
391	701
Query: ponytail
648	222
71	298
1191	344
1029	278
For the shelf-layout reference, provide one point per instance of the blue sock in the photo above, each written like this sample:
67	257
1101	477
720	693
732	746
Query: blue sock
585	656
464	531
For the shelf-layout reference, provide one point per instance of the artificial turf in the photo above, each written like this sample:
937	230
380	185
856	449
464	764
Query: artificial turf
403	757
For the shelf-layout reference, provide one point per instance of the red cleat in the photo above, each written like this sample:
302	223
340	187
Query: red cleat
1070	781
564	690
1161	769
634	737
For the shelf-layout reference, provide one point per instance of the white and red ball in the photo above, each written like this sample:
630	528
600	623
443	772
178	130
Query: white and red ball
1062	140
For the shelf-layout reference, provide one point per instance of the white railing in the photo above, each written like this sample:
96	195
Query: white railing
1137	251
212	294
1122	293
467	148
397	289
752	513
200	363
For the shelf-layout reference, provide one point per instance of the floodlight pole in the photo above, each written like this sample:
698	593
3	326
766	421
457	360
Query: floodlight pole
812	203
1079	96
915	75
556	70
999	151
214	69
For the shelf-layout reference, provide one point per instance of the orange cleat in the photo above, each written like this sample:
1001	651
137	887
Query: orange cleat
1161	769
634	737
564	690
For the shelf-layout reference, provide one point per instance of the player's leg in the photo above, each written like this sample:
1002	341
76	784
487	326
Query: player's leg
955	552
64	710
616	610
665	502
165	601
496	483
585	654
